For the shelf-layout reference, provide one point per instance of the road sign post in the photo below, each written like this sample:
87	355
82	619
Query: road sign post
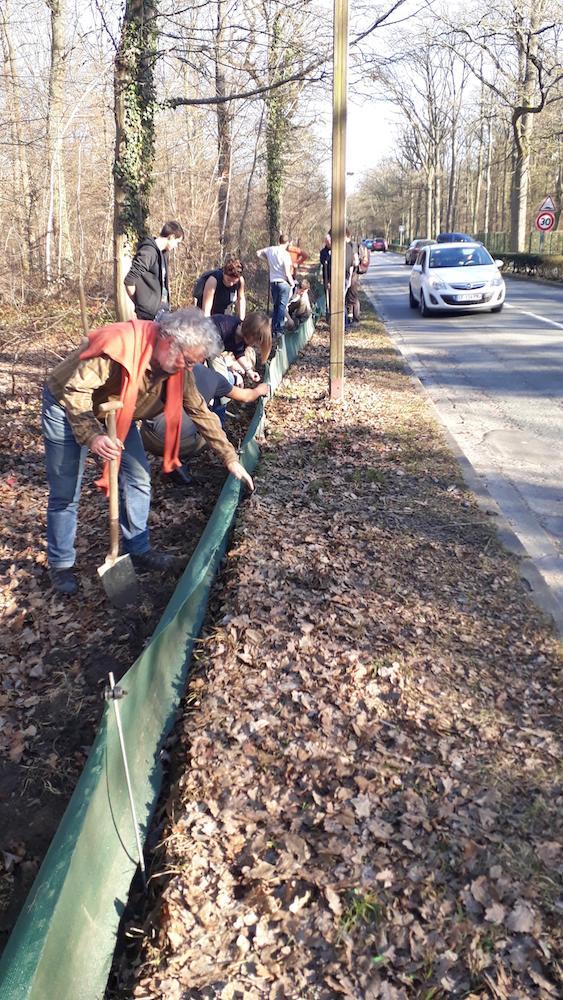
338	212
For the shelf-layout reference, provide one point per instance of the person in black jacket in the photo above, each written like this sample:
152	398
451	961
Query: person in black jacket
146	282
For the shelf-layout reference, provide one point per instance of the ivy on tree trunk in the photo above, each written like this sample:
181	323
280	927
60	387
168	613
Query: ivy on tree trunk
134	141
277	128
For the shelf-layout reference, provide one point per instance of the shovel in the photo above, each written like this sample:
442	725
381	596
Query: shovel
117	573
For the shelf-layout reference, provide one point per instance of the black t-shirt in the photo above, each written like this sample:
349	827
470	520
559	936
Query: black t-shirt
211	384
223	297
227	327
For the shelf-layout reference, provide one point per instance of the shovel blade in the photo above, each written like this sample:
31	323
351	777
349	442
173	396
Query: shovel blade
120	581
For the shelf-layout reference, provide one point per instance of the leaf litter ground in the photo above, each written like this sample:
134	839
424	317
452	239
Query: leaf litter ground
366	798
56	653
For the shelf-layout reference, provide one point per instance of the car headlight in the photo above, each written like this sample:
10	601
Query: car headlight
496	282
437	283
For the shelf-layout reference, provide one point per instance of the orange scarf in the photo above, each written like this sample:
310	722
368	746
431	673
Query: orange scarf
131	345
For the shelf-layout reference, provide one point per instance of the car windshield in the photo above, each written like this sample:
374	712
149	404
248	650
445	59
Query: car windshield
459	257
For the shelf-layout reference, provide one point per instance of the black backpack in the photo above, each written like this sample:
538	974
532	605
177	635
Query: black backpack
200	285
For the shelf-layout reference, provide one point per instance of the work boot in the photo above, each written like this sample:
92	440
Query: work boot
179	477
153	561
64	580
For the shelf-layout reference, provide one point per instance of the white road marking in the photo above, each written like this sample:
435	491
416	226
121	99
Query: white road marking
543	319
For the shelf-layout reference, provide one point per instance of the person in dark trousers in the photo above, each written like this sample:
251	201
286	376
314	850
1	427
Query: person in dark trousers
146	282
221	289
325	258
326	264
211	385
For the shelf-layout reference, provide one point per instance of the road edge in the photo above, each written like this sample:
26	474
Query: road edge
530	572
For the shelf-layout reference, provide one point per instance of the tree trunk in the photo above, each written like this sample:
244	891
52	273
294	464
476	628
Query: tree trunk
519	189
244	213
559	185
134	140
57	229
522	128
224	137
429	192
437	199
451	189
276	130
503	204
26	196
478	182
486	218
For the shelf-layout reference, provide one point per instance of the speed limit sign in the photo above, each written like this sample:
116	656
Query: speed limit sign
545	221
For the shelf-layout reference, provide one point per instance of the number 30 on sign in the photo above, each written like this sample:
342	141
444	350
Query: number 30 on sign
545	221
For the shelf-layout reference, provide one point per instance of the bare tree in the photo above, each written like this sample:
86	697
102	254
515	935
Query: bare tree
518	39
26	200
57	217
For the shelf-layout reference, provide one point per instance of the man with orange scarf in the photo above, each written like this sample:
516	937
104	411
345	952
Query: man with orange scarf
148	366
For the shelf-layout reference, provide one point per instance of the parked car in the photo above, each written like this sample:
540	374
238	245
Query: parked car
454	238
456	276
413	248
379	244
368	244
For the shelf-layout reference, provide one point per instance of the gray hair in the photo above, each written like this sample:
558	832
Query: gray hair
190	328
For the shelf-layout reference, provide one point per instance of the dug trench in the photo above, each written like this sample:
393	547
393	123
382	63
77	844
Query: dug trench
56	652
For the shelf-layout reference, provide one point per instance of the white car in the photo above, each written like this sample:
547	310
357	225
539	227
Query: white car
450	276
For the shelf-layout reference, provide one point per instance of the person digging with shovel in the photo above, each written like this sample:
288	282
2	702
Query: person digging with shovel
147	368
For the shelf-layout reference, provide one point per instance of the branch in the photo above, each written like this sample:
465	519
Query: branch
180	102
378	22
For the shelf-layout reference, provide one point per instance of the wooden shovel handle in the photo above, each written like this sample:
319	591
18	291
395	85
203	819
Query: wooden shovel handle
109	410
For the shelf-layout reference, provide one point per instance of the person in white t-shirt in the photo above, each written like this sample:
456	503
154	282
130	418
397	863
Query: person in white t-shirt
281	280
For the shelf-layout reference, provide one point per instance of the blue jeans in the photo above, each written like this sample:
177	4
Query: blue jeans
281	290
65	460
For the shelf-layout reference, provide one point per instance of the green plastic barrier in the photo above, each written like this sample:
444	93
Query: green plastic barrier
62	945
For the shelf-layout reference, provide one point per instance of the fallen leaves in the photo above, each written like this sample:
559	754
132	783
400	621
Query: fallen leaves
367	801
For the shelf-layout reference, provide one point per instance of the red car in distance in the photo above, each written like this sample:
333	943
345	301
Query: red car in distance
379	244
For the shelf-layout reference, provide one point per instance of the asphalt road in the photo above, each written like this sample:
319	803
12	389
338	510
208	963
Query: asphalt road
497	383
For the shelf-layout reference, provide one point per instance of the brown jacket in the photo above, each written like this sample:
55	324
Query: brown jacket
81	386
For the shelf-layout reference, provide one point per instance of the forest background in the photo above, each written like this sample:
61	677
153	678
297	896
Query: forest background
222	116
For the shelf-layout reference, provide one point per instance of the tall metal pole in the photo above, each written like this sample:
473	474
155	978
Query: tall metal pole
338	219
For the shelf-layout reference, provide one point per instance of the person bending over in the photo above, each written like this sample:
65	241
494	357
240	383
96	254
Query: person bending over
242	341
211	384
299	308
131	362
215	291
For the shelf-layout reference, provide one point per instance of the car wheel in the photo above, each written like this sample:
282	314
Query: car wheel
424	311
497	309
412	301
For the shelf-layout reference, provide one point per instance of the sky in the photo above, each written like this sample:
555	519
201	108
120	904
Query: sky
370	136
371	123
